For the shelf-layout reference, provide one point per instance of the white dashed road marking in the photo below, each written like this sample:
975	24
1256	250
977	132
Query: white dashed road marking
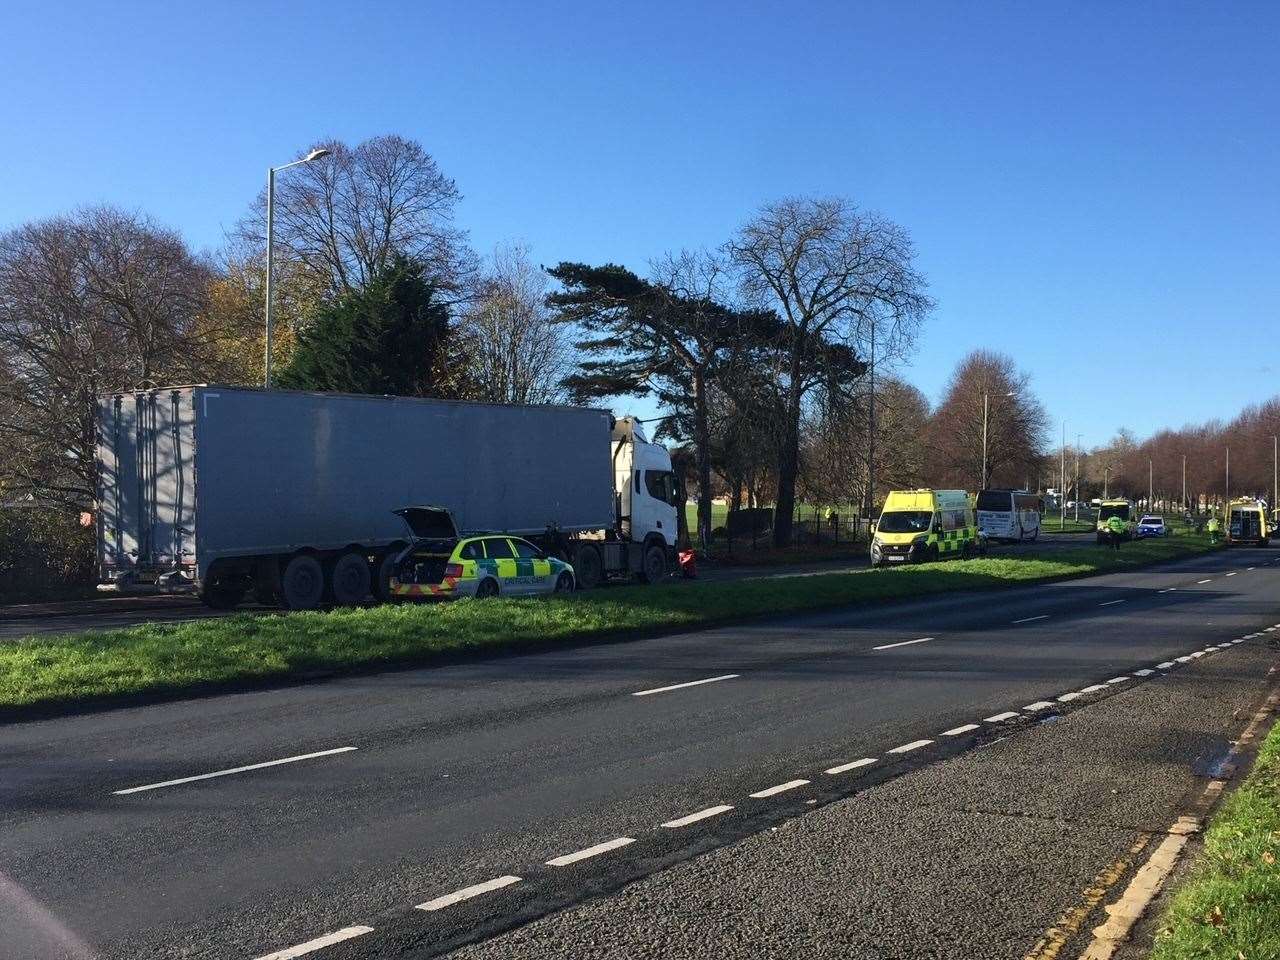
1210	580
691	683
902	643
913	745
1094	688
319	943
700	815
1110	602
589	852
1167	665
1119	680
864	762
1143	673
1068	697
1007	715
1168	589
956	731
780	788
466	893
227	773
1038	705
1232	573
1043	616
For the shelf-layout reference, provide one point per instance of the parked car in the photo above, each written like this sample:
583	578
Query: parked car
1150	526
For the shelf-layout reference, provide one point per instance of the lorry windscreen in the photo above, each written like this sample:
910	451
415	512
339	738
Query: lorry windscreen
905	521
1106	513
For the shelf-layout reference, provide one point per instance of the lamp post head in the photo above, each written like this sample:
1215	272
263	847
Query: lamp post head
315	155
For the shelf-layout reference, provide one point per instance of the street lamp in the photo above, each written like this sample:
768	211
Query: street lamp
1078	477
271	204
986	409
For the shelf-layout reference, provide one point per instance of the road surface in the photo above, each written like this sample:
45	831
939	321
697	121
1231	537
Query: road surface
993	793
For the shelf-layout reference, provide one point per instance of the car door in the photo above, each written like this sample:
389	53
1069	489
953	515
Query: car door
532	567
501	559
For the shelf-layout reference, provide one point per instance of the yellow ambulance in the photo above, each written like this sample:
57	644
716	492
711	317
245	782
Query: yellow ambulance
920	525
1247	522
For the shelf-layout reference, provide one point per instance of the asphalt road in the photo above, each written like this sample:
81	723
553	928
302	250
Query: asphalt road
108	612
468	774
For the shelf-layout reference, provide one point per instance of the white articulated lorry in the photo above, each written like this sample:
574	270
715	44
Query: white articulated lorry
289	495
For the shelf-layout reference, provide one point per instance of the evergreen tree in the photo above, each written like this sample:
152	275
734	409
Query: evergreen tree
389	337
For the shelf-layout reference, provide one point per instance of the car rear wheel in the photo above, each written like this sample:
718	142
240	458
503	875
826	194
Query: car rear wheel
349	579
302	583
487	589
564	583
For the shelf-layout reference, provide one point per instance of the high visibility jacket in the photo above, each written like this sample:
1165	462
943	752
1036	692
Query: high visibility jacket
1115	525
1213	524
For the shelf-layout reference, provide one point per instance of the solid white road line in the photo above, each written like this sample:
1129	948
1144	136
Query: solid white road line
1043	616
1110	602
844	767
227	773
903	643
956	731
319	943
913	745
691	683
1038	705
466	893
1167	665
780	788
1007	715
700	815
1210	580
595	851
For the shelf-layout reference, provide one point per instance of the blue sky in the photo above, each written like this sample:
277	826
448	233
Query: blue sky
1092	187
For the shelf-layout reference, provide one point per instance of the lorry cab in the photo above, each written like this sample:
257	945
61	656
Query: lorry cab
1247	522
645	488
1115	508
919	525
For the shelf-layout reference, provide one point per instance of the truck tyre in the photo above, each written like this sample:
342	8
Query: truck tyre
654	567
302	583
385	569
349	579
221	597
588	567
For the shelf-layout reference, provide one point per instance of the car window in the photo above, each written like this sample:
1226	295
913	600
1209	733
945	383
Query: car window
497	548
526	550
471	551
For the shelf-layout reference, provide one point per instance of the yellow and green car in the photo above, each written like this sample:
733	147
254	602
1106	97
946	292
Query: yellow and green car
439	563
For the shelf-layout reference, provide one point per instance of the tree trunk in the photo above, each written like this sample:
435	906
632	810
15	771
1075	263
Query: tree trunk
788	466
702	452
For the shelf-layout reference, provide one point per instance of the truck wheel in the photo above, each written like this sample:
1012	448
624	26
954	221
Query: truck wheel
222	597
381	585
302	583
654	567
588	567
349	579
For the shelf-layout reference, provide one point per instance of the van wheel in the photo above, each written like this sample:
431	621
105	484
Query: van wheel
654	567
588	567
302	583
349	579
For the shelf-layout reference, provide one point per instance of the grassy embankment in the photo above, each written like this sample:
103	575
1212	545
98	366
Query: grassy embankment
1229	905
165	658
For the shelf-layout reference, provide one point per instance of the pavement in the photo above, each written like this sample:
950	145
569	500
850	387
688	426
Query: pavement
558	804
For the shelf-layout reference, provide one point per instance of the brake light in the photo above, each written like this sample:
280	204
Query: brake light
453	570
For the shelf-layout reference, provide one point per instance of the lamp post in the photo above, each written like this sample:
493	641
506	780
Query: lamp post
271	205
1275	476
1184	484
1150	487
986	410
1078	478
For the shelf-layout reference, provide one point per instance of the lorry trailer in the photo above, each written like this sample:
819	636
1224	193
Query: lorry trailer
292	495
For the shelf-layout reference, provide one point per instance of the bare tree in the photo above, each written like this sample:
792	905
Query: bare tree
92	302
833	273
345	216
516	351
987	385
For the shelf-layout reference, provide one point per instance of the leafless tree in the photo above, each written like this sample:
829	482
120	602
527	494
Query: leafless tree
833	273
1017	425
515	351
343	217
92	302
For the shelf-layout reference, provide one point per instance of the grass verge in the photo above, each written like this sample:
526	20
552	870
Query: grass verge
1229	904
202	654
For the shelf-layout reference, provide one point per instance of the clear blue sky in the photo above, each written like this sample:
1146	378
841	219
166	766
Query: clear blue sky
1089	185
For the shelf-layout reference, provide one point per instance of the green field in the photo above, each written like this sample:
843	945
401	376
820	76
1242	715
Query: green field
1229	905
206	654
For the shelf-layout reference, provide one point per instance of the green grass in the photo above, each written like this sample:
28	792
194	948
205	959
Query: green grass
165	658
1229	905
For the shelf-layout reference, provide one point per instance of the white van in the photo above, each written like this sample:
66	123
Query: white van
1009	515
